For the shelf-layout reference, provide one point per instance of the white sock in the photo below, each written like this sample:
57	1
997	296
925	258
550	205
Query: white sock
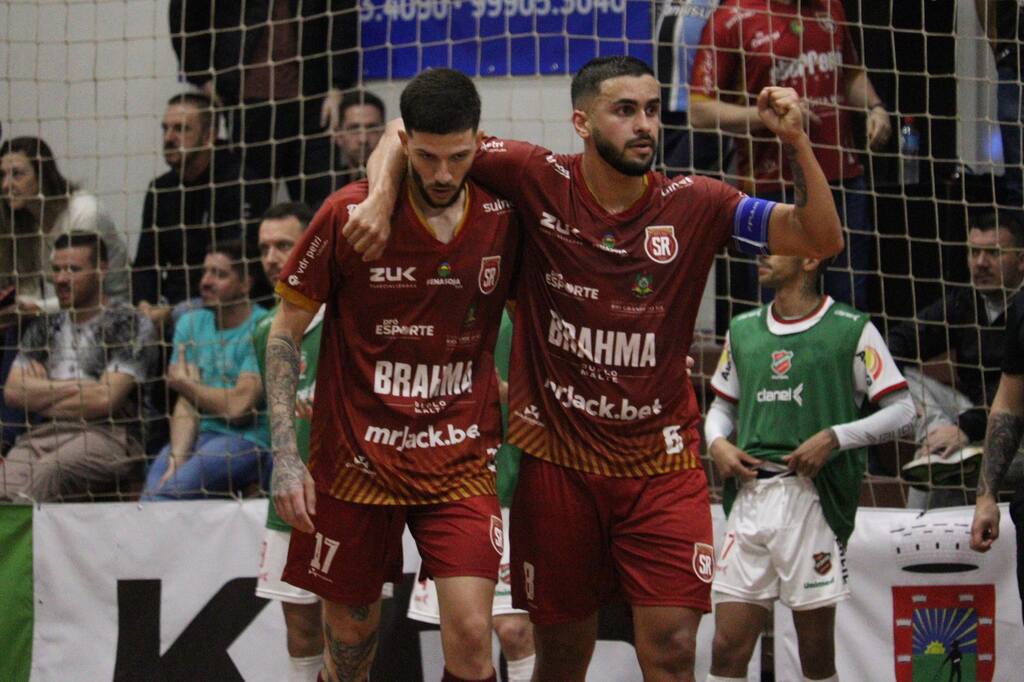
304	669
833	678
719	678
521	670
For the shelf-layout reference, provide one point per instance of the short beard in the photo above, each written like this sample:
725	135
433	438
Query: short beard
418	179
616	158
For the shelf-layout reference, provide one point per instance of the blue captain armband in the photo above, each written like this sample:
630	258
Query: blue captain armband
750	225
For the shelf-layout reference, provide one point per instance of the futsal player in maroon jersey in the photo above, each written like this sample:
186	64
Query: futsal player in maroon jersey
612	500
406	416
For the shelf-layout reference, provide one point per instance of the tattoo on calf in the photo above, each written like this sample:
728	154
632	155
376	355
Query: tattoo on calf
351	661
1001	443
799	181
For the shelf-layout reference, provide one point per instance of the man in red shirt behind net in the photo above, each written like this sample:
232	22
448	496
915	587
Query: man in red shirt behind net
612	500
405	419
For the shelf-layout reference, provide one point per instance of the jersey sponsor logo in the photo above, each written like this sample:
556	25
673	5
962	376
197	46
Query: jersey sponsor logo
422	381
847	314
490	272
556	281
530	414
315	248
497	206
558	168
562	230
642	285
782	362
725	363
603	346
431	437
444	277
636	308
497	534
392	278
872	360
602	407
394	327
704	561
761	38
607	244
822	562
783	395
660	243
676	184
826	21
810	63
493	146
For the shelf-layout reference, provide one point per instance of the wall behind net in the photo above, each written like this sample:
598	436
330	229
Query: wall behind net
92	79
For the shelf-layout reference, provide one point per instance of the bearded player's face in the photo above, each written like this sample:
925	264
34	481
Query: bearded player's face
439	164
624	121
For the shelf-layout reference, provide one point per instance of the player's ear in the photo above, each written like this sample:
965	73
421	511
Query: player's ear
581	122
811	264
403	137
480	135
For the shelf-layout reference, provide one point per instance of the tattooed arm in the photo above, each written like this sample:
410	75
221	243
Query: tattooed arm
810	226
291	485
1005	428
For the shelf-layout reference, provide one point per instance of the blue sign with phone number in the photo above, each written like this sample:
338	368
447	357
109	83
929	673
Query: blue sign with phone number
499	37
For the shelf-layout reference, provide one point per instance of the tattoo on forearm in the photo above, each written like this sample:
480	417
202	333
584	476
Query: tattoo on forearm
1001	443
283	363
799	181
351	661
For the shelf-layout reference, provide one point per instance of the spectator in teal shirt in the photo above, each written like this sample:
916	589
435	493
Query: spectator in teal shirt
218	431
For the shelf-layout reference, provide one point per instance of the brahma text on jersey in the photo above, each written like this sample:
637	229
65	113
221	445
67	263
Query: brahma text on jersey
603	346
421	380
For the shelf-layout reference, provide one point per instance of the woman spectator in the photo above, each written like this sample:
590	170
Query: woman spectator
39	204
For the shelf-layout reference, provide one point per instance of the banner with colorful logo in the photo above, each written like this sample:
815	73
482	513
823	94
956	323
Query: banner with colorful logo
924	607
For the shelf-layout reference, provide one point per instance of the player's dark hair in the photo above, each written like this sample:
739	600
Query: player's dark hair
354	98
290	209
78	238
440	101
587	81
234	249
989	220
202	103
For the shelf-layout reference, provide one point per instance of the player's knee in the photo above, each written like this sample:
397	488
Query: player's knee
668	648
470	631
305	633
516	636
731	648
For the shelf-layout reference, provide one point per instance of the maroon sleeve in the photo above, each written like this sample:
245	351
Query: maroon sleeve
501	164
724	200
314	265
718	57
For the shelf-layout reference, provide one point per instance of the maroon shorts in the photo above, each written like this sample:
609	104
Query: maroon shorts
581	540
356	548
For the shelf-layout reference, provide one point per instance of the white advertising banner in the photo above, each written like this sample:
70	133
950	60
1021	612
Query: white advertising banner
921	599
165	591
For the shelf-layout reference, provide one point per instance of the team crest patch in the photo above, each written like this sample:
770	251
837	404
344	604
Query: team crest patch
642	285
490	271
822	562
497	535
873	363
704	561
660	243
782	362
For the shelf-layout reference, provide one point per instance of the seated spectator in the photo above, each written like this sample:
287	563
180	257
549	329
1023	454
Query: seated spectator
218	435
362	124
970	325
206	196
79	373
41	205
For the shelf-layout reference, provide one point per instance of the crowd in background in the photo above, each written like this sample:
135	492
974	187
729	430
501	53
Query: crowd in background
136	374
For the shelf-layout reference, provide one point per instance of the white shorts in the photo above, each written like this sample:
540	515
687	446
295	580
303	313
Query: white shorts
423	604
273	557
778	545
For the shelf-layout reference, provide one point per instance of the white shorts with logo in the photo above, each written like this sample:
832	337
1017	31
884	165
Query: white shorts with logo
423	604
273	556
778	545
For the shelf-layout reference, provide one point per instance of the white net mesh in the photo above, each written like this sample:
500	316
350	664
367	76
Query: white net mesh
93	80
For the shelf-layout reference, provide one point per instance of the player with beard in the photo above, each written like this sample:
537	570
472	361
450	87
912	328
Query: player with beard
614	262
405	418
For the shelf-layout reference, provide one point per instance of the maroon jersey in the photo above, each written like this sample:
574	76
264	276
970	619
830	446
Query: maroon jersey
749	44
605	312
406	408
